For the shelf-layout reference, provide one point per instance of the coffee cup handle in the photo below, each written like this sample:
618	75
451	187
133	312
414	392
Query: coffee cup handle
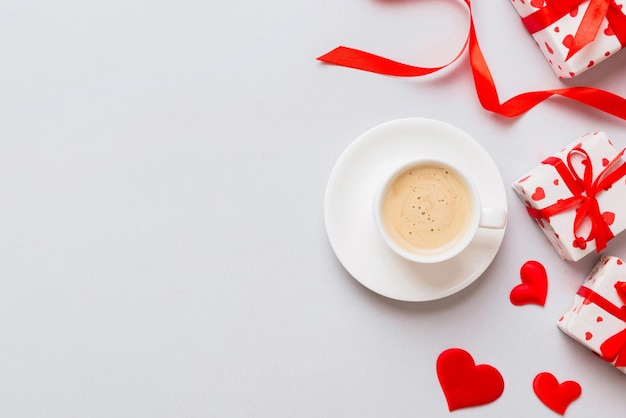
492	218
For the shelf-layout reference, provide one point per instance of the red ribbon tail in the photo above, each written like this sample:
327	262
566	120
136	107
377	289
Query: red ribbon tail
620	361
361	60
601	237
484	83
617	23
590	25
614	349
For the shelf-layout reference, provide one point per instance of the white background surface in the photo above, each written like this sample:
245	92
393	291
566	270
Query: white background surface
163	254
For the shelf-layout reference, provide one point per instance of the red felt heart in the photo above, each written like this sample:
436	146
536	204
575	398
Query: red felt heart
466	384
534	286
555	396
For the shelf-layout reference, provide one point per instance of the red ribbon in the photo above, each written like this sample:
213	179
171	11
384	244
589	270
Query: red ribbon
613	349
584	195
596	12
485	87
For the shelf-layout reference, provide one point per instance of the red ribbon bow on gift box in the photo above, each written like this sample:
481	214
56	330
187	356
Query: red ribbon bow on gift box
613	349
596	12
485	86
584	192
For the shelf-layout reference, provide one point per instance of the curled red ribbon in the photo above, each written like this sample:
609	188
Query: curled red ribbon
613	349
596	12
584	195
485	87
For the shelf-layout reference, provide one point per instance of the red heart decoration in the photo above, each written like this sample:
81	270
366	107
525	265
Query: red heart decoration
609	217
568	41
621	290
534	286
466	384
539	194
555	396
549	48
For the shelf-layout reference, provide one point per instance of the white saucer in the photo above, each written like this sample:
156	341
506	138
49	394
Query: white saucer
349	215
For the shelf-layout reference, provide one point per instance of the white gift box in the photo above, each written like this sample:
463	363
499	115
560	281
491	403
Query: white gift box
555	39
597	316
568	196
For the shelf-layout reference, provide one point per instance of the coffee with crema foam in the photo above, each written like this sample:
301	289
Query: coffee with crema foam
426	207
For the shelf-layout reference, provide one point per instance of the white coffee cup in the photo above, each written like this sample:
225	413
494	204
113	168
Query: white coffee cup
428	211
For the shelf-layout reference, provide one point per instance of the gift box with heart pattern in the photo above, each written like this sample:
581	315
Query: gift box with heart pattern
577	195
597	316
555	27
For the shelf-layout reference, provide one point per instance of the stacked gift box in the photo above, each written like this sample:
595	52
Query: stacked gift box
576	196
597	316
